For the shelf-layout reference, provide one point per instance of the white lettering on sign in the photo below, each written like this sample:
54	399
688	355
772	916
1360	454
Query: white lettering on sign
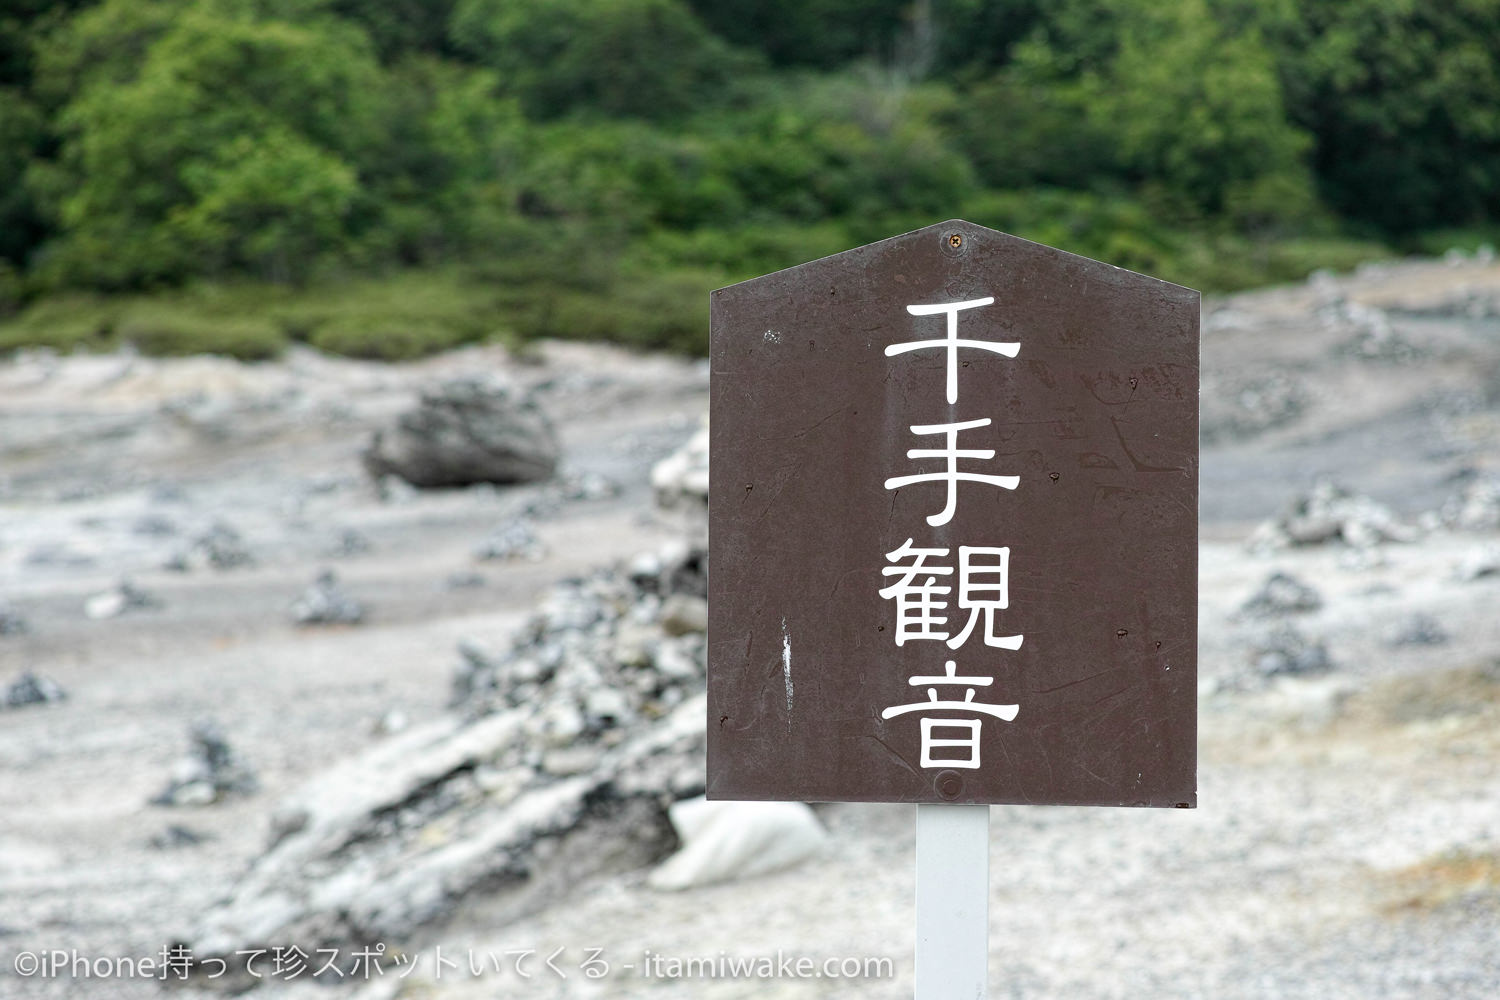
952	453
924	577
917	602
952	341
983	586
1005	713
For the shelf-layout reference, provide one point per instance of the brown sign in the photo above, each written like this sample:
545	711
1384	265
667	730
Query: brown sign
953	528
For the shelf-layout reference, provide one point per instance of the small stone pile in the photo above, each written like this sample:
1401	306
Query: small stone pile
209	772
326	603
562	755
220	547
122	597
1286	652
601	651
12	622
681	479
1373	337
31	689
1476	508
1238	406
1418	629
1329	513
513	540
1282	594
349	543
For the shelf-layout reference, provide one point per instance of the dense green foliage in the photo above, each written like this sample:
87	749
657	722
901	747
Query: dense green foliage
522	168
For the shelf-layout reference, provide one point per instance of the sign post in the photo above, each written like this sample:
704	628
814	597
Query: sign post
953	902
953	546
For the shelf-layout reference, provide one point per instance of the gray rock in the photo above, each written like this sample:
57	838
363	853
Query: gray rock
682	614
561	760
513	540
392	722
31	689
587	486
1281	594
124	596
567	761
220	547
464	431
475	674
326	603
729	841
349	543
11	621
681	479
396	839
1476	508
59	554
176	836
210	771
607	706
1478	563
154	526
394	490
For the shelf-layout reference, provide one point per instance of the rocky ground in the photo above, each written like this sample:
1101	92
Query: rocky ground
202	744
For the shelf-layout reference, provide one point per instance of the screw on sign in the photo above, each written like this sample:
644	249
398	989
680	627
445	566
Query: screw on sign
953	539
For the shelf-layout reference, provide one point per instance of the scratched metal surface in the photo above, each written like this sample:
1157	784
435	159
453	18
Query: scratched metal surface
1097	414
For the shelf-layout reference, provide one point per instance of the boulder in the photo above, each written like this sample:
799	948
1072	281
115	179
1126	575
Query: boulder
475	429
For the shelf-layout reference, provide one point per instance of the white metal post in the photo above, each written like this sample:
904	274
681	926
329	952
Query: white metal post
953	898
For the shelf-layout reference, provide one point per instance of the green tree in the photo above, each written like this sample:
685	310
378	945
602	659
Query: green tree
823	34
22	128
1403	98
173	170
443	175
623	58
1166	98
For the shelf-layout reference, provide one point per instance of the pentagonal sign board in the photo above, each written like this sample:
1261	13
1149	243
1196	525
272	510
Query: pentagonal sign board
953	528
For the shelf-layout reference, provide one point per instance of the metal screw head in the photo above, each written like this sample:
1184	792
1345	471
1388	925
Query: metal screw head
949	784
955	240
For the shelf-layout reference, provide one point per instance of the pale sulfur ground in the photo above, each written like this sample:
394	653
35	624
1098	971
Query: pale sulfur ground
1347	840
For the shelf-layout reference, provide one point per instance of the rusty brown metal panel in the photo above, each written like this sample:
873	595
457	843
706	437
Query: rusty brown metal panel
1096	418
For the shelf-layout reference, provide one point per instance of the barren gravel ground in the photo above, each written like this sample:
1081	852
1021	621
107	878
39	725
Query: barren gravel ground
1347	842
